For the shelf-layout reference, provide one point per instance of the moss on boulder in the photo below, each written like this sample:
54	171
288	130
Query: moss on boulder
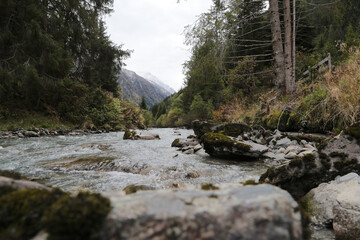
76	218
208	187
220	145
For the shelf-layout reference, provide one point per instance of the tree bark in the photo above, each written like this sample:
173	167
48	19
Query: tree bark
289	83
294	43
277	44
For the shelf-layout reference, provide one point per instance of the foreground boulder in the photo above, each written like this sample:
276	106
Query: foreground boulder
252	212
322	200
347	213
335	156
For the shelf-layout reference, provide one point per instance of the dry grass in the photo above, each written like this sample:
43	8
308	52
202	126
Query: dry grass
343	88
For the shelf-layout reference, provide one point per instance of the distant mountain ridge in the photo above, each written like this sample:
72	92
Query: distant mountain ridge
134	87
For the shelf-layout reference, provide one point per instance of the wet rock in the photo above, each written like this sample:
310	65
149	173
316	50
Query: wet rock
21	184
220	145
31	134
192	174
261	212
197	148
148	136
184	142
131	189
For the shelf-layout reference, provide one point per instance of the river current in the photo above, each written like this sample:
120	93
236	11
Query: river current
158	165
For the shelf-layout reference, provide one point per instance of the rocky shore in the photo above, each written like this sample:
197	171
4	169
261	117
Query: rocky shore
40	132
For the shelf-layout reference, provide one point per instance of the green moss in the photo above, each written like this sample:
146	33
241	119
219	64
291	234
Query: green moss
309	161
76	218
208	187
6	190
296	163
340	165
308	138
21	212
127	134
249	182
134	188
325	160
354	132
340	155
175	143
214	196
11	174
322	145
235	129
220	140
306	210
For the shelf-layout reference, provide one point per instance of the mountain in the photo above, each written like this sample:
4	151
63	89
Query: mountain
134	87
153	79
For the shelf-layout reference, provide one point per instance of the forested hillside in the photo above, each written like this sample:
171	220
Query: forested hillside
233	73
57	61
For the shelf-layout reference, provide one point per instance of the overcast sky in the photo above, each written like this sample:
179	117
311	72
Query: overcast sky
153	29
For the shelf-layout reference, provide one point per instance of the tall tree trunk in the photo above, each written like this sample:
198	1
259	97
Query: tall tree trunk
294	43
289	84
277	44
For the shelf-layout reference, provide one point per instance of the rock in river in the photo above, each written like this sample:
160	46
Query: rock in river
220	145
260	212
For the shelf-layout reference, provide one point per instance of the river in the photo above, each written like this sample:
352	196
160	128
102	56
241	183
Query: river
153	163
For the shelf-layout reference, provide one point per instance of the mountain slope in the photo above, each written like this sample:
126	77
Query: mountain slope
134	87
153	79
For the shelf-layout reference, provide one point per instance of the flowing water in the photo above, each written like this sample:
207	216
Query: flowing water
59	162
69	163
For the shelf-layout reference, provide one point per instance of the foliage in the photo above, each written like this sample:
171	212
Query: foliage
57	60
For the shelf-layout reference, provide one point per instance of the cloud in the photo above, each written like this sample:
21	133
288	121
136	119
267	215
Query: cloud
153	29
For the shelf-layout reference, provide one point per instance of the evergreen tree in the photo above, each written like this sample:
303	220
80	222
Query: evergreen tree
143	104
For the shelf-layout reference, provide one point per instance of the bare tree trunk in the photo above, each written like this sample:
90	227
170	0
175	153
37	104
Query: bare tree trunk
294	43
277	45
289	83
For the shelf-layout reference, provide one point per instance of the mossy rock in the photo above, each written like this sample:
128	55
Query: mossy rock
21	212
12	174
354	132
211	141
306	137
134	188
208	187
340	155
76	218
302	174
289	121
200	128
249	182
235	129
129	135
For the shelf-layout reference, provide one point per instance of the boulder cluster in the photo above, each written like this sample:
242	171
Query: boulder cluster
305	165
